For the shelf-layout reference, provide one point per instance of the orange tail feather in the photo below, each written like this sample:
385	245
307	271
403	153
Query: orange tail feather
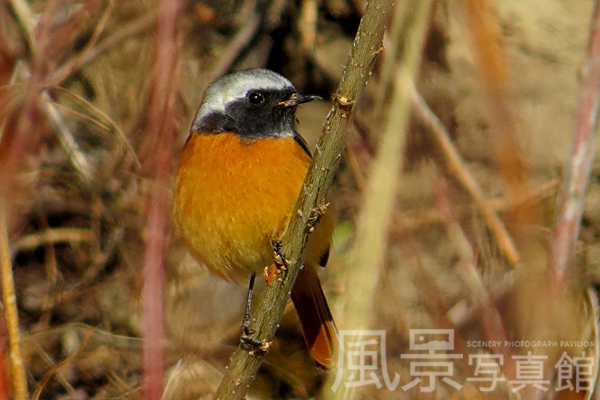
315	317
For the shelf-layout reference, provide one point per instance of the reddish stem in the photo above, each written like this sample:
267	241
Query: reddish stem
160	137
570	208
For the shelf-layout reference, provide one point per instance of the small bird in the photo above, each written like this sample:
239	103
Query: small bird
240	173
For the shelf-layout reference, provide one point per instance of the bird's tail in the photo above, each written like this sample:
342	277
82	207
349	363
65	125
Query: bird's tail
315	317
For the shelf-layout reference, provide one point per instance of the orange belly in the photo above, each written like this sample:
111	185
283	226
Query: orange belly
233	199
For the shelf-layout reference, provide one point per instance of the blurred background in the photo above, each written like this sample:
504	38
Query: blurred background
75	84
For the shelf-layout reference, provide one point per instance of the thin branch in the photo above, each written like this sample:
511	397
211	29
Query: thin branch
233	50
25	19
307	25
56	369
379	197
390	61
408	221
65	137
577	173
80	58
244	364
53	236
16	137
492	63
132	28
160	127
372	232
99	119
490	318
462	175
9	299
50	363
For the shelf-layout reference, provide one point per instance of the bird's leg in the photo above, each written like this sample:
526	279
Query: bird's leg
247	317
248	342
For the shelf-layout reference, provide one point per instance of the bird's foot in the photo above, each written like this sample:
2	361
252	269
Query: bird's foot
280	261
280	264
250	343
269	272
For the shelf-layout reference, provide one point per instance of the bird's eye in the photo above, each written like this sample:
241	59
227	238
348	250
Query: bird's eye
256	98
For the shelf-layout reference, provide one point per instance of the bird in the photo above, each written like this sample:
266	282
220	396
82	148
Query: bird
240	173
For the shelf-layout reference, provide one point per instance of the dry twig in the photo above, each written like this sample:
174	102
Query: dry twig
408	221
66	138
53	236
26	19
462	175
367	255
495	76
160	126
15	139
307	25
9	299
133	28
56	369
235	48
489	315
577	173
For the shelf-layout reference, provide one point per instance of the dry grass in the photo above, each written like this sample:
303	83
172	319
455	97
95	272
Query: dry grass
80	161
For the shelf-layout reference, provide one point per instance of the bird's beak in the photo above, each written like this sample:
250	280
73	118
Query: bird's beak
297	98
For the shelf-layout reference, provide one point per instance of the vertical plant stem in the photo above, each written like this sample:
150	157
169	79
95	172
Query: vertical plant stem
367	255
17	135
160	126
9	299
495	78
577	172
373	225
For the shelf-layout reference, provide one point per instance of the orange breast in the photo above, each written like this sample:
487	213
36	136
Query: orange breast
233	198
